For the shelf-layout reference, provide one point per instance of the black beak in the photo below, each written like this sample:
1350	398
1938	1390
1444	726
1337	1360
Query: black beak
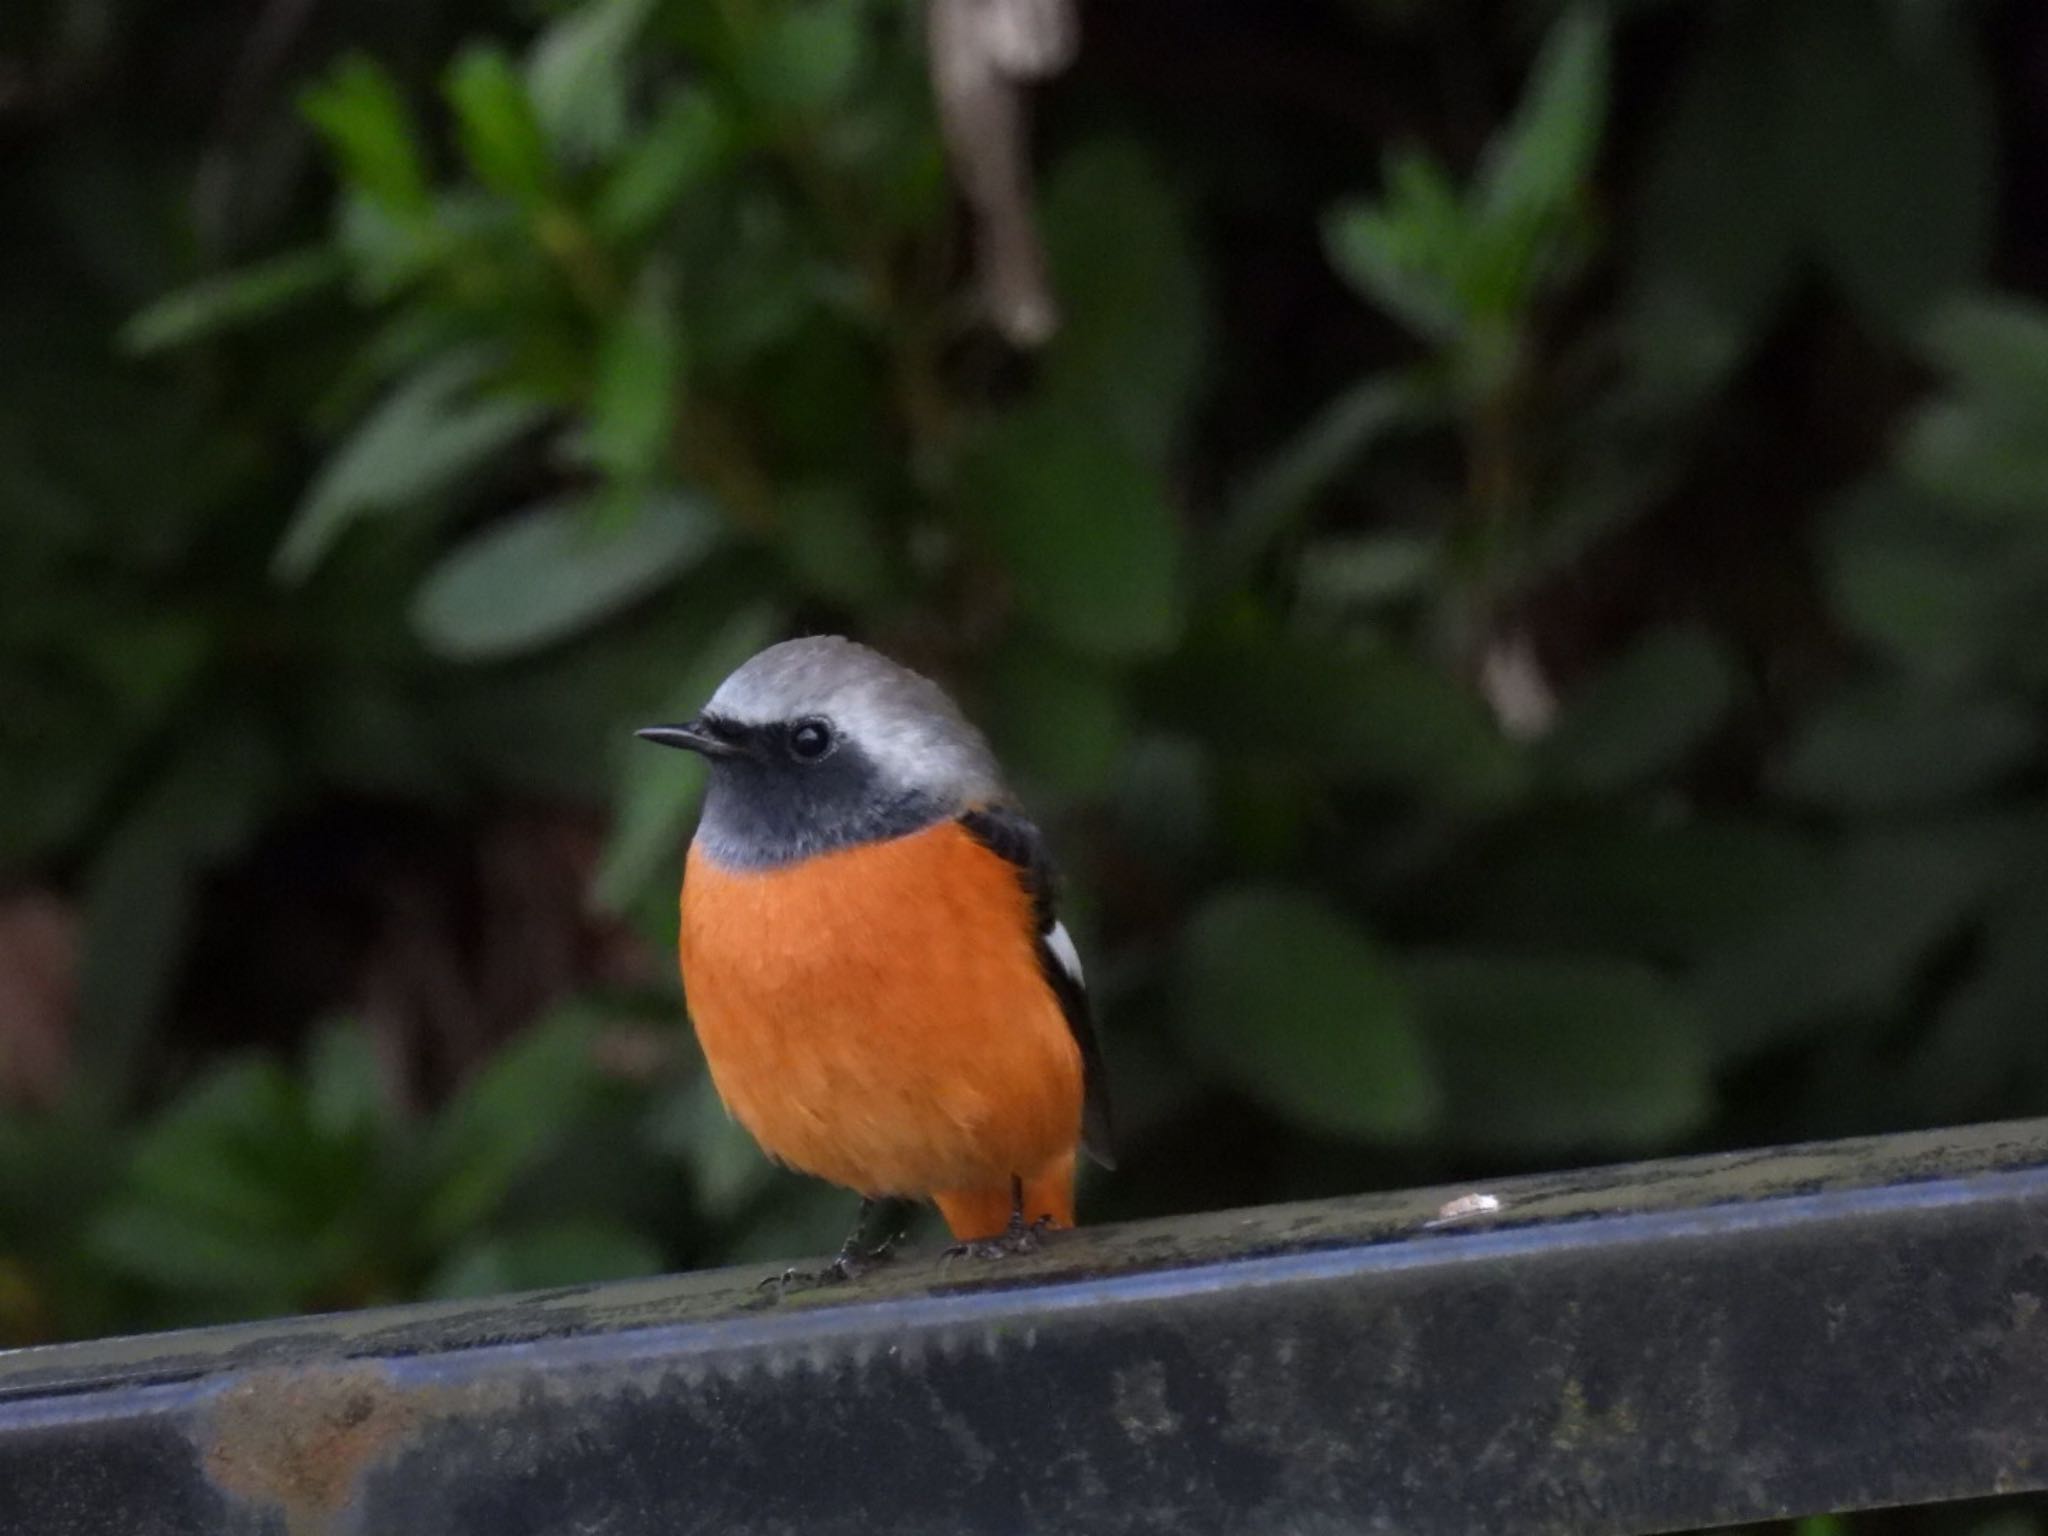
690	736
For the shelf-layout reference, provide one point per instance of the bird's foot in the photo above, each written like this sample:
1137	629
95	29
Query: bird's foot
850	1263
837	1272
1018	1237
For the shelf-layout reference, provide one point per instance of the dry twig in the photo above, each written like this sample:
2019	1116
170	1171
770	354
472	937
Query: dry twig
983	54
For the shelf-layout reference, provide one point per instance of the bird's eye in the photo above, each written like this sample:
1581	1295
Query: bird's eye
810	740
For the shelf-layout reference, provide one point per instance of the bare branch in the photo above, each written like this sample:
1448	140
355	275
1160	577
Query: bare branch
982	53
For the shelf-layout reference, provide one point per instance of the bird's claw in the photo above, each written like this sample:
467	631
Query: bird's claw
1016	1238
850	1264
853	1262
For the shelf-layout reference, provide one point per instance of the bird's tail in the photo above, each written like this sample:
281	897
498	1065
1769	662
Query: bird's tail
979	1213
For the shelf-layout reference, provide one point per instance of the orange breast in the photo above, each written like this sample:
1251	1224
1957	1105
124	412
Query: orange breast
876	1015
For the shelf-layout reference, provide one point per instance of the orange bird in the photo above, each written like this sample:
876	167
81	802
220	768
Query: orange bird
870	954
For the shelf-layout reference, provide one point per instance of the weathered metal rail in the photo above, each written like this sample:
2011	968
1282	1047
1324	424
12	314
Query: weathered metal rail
1630	1350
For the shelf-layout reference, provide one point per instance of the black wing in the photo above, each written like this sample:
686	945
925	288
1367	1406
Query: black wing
1011	837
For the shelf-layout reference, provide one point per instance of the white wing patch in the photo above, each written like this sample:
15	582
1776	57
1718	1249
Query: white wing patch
1062	947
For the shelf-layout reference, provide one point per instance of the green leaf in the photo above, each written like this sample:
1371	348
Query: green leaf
835	545
1663	889
1285	999
375	735
345	1094
639	376
1681	345
1338	710
1851	951
1163	801
222	1151
1284	489
1367	570
577	76
564	1253
1459	270
385	257
1404	254
141	890
1809	131
1979	452
1645	713
807	57
1888	746
233	1193
360	113
261	1270
551	572
727	1170
1718	242
684	149
1083	527
1995	347
1986	1055
659	790
505	1120
230	299
427	433
1554	1053
1979	459
1527	218
139	910
573	707
55	1167
1060	723
1878	139
1132	326
1543	161
495	122
1942	598
1921	600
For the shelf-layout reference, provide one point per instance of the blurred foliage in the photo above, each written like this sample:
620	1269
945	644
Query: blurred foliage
1519	589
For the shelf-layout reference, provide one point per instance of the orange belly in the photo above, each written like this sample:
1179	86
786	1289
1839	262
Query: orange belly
876	1016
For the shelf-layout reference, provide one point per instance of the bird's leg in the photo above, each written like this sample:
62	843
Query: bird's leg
854	1259
856	1255
1019	1236
1017	1230
851	1252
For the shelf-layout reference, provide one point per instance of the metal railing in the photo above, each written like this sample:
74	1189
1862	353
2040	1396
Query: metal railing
1638	1349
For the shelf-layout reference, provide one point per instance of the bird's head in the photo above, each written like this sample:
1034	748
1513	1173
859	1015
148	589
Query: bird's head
821	743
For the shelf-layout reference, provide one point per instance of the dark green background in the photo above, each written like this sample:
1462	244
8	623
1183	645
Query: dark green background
1519	593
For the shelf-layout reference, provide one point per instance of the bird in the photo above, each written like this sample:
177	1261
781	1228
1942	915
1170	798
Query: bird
883	990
